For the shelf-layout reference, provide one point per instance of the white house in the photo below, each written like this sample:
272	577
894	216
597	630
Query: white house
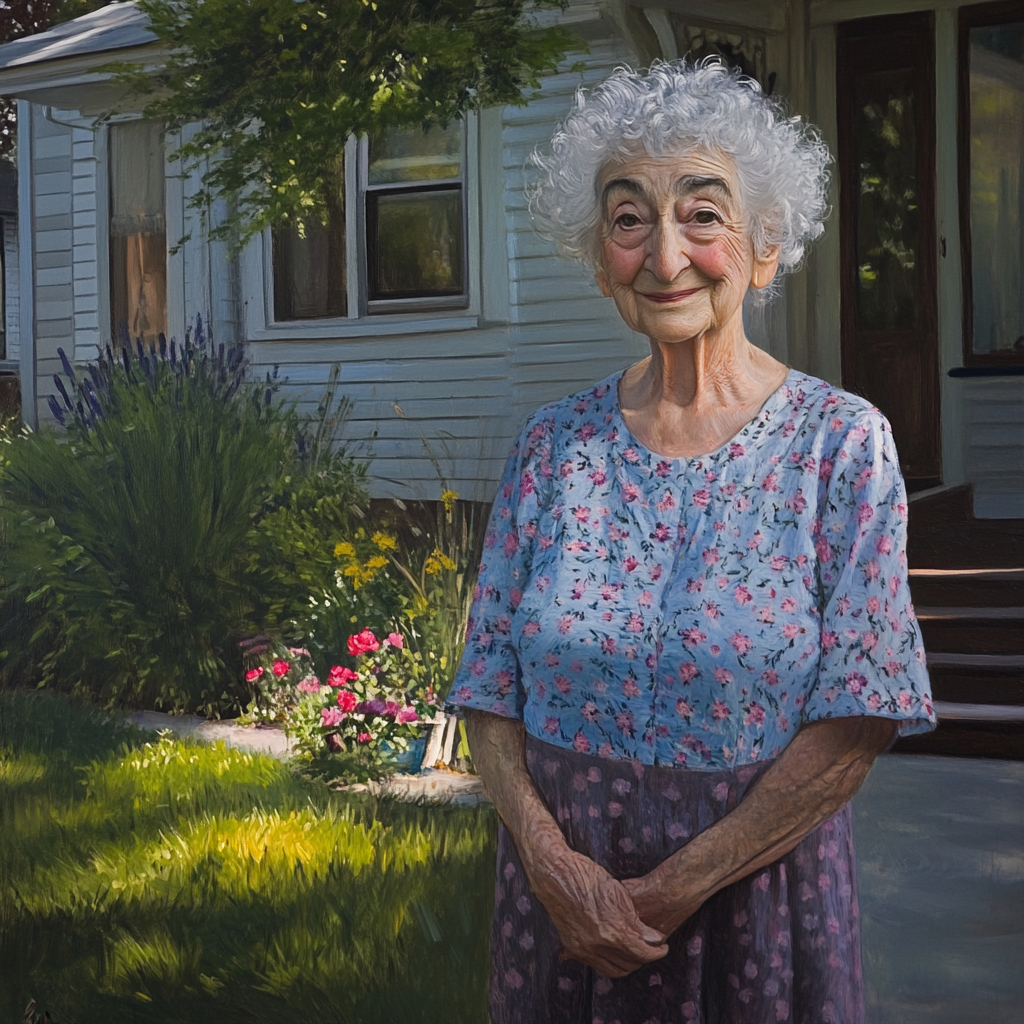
452	319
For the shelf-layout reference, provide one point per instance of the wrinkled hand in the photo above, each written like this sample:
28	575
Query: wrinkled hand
594	915
659	905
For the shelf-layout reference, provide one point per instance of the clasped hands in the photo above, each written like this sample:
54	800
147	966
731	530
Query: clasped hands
614	927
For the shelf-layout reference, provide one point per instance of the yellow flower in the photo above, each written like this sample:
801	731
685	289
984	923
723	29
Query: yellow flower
385	541
437	561
449	498
377	562
343	548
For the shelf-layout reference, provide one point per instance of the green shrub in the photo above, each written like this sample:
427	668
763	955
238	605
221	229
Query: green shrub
134	552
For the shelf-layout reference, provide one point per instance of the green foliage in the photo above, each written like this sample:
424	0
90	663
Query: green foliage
279	85
192	883
132	560
440	569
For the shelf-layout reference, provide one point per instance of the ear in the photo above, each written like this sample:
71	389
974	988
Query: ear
765	268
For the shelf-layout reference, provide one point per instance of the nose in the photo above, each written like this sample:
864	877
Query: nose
667	252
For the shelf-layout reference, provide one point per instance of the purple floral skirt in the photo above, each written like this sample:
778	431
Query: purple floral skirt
782	944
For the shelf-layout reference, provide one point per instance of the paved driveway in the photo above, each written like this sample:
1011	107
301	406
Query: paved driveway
940	844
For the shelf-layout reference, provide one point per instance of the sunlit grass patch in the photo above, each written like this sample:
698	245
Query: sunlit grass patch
151	879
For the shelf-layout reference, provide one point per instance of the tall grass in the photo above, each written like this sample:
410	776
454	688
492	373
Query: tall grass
148	879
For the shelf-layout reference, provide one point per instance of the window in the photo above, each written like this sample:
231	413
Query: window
399	247
991	184
138	231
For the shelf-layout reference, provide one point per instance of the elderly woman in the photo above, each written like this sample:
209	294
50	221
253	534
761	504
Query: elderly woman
692	633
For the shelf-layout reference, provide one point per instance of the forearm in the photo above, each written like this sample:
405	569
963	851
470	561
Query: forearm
499	756
817	774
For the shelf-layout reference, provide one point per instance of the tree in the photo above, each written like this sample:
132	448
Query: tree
277	86
20	18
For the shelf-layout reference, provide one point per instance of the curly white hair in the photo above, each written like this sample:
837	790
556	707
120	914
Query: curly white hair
781	162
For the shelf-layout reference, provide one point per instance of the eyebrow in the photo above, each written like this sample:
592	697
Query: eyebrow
626	185
694	183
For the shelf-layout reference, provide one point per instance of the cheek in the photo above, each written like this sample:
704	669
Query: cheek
621	265
722	259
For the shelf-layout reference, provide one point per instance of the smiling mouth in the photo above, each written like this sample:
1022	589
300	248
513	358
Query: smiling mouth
666	297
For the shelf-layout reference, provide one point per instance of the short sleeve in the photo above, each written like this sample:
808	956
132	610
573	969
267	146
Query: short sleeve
872	657
489	678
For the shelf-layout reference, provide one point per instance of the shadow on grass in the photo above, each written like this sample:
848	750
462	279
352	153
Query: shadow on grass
150	879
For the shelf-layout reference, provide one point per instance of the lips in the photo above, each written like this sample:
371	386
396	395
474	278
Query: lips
667	297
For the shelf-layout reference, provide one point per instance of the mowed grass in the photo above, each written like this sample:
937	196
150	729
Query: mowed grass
148	879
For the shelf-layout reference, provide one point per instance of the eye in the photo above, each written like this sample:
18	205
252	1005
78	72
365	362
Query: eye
706	217
627	220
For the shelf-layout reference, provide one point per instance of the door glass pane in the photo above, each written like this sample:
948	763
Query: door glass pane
415	244
309	272
996	55
138	231
404	155
887	212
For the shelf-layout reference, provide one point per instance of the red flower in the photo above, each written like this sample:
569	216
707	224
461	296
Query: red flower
339	676
281	668
362	643
364	737
253	674
347	700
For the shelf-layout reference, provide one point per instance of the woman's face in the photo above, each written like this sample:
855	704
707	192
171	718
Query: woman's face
676	253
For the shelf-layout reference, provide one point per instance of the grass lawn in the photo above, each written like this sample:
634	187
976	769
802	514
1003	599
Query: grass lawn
147	879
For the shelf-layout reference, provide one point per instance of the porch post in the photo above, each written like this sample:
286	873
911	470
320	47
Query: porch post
26	264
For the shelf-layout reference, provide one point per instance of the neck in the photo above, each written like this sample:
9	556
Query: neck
706	372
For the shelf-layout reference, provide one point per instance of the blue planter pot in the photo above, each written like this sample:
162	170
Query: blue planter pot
409	761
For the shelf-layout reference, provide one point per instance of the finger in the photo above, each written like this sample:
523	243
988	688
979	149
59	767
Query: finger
652	936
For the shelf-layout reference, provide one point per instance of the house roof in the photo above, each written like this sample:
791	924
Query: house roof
118	26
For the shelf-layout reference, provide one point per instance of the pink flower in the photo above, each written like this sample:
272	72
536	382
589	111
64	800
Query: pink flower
722	675
364	737
330	717
742	595
688	672
395	640
406	715
720	709
581	743
630	492
693	637
740	643
630	564
347	700
855	682
309	685
683	709
362	643
281	668
253	674
339	676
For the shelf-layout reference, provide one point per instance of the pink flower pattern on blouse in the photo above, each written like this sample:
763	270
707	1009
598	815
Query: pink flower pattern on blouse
696	612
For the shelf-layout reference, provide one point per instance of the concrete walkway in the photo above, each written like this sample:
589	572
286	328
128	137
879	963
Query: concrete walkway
940	846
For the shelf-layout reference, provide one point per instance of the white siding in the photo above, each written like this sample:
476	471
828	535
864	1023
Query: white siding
994	435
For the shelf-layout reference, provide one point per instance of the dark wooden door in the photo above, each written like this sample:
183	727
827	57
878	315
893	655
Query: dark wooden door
886	97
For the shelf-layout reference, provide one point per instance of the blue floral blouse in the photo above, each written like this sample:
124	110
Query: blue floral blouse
697	612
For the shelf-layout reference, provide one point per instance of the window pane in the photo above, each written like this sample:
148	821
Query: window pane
309	273
411	154
138	231
415	243
996	55
887	213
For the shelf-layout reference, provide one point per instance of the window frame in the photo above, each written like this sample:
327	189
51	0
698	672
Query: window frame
974	16
382	316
